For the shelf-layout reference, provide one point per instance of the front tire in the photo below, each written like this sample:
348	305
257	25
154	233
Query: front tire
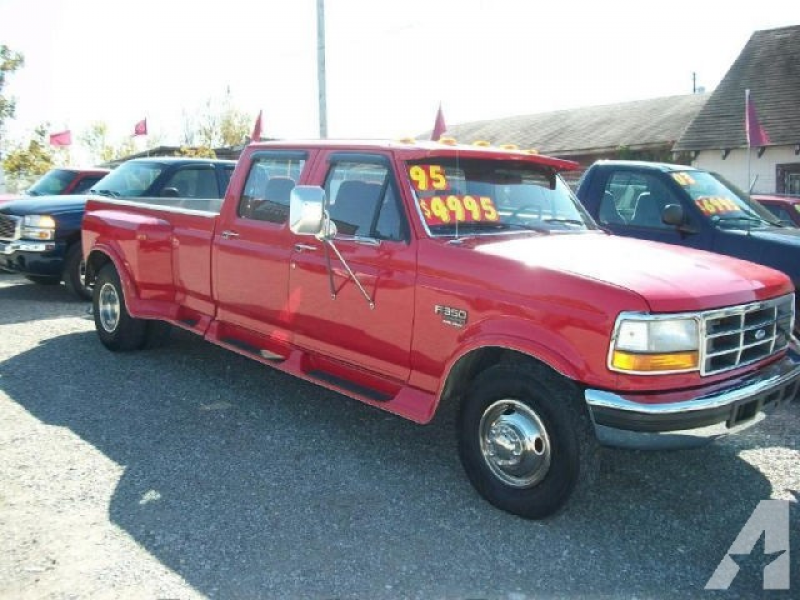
524	438
116	328
75	273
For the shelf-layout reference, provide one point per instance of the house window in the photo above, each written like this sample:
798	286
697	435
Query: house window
788	179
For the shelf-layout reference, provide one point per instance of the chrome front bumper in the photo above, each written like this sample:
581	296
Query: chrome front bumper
632	421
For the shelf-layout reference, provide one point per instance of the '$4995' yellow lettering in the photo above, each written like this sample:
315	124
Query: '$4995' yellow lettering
441	210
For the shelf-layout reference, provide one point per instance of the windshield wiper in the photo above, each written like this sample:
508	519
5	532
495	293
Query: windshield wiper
567	221
110	193
749	219
470	229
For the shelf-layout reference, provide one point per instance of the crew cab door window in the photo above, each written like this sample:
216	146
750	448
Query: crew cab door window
194	182
363	201
269	184
636	200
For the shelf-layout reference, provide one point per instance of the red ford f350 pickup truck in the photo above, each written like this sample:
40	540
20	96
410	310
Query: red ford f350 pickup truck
410	274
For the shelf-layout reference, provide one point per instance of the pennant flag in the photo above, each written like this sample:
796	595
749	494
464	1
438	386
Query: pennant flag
439	127
256	135
756	134
140	128
62	138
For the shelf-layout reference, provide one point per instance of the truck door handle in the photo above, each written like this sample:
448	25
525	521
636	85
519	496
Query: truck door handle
304	247
227	234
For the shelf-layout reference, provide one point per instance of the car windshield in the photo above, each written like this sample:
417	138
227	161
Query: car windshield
51	183
722	203
130	179
482	197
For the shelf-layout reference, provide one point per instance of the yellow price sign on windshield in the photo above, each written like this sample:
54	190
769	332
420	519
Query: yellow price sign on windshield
716	205
683	179
443	210
428	177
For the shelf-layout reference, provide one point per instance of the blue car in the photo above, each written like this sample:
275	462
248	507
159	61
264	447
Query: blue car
40	237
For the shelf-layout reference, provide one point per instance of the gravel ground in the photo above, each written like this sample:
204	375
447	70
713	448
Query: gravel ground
190	472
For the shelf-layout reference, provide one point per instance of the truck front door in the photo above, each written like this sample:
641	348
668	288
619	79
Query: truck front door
330	313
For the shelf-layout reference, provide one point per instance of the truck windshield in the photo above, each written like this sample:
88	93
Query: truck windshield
130	179
51	183
480	196
722	203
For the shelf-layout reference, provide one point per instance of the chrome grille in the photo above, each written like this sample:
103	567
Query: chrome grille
741	335
9	227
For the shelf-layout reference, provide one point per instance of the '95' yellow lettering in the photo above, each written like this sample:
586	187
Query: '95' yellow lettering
428	177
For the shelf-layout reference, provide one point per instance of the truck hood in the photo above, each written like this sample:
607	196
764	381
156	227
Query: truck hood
669	278
789	236
44	205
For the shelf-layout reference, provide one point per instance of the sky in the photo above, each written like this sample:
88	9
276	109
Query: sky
389	64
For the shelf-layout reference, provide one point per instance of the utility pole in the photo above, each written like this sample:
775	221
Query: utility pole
323	111
694	82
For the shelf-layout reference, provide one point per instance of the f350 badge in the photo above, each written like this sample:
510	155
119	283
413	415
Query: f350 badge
457	317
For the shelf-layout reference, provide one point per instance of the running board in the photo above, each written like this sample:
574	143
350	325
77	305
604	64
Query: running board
349	386
254	350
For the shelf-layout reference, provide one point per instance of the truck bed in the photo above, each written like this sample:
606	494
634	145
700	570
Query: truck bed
166	245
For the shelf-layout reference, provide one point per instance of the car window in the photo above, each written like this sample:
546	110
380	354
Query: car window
779	212
194	182
636	199
363	202
226	172
86	183
269	184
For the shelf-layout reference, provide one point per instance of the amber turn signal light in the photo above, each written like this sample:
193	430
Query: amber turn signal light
676	361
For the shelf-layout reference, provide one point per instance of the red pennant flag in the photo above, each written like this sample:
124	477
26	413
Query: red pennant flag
439	127
62	138
756	134
140	128
256	135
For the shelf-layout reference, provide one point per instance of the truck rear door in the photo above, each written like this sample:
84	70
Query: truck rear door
253	244
331	314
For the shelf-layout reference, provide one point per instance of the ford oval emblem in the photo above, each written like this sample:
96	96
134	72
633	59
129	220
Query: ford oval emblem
761	334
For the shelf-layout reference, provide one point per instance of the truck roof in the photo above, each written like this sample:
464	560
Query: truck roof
410	149
181	160
641	164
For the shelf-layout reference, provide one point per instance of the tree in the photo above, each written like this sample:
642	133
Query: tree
10	61
218	124
196	152
95	139
27	163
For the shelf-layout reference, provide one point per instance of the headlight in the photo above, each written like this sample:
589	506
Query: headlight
38	227
645	344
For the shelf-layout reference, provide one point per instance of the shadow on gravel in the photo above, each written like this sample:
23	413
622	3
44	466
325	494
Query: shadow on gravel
41	301
249	483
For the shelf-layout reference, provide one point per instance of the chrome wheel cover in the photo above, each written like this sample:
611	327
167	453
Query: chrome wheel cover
108	307
514	443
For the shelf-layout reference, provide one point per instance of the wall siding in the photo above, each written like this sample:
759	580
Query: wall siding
734	168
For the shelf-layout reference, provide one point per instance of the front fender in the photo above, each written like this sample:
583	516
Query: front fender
549	346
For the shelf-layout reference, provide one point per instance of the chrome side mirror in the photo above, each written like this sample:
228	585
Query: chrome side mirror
307	210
